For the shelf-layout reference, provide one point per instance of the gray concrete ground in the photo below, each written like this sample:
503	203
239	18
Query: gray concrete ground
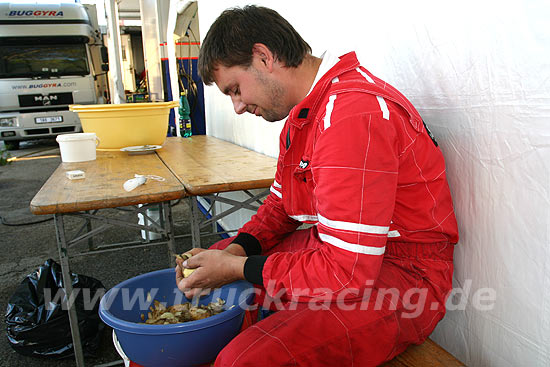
30	240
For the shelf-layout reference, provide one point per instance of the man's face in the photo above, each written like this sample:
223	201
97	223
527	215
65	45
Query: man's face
253	90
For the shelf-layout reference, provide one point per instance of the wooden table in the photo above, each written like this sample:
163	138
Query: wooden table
102	188
200	165
208	166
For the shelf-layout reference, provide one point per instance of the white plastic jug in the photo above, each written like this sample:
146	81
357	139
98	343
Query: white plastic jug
78	147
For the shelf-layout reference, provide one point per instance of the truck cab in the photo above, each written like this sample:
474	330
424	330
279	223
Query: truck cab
49	59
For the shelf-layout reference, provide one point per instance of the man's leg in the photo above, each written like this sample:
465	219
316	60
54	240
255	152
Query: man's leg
326	336
404	307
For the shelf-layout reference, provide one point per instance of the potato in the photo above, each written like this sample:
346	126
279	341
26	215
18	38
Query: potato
185	256
187	272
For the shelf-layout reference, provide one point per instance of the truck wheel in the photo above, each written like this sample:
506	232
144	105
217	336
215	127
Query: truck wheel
11	144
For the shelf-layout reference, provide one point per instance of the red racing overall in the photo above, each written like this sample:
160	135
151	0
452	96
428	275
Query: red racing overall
372	274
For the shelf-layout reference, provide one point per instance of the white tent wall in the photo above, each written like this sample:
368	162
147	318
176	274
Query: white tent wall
479	74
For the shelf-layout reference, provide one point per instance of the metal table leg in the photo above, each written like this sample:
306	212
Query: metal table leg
89	228
68	287
168	221
195	222
213	211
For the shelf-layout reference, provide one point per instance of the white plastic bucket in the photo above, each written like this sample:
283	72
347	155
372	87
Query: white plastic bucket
77	147
153	213
127	362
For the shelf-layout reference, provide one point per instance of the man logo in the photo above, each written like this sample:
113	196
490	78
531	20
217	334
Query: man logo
46	100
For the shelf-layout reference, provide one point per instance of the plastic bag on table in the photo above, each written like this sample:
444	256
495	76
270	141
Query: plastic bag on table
37	319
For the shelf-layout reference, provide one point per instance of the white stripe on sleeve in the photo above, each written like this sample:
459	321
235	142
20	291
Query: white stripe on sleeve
350	226
381	102
328	113
383	107
394	233
273	190
352	247
304	217
365	75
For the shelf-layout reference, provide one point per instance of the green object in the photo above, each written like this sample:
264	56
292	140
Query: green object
185	118
4	157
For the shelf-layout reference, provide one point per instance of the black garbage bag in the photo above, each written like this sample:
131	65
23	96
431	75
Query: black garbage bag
37	318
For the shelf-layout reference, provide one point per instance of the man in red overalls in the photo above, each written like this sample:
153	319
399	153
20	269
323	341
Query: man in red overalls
373	272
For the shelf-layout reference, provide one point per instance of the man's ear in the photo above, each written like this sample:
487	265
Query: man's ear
263	56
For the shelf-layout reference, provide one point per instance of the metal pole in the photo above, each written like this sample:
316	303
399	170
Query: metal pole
213	211
68	287
89	228
151	51
169	229
115	54
195	222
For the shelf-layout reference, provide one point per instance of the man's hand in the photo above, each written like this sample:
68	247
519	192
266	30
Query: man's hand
214	268
235	249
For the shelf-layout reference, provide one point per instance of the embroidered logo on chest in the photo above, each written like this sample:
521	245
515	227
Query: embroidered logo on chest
303	164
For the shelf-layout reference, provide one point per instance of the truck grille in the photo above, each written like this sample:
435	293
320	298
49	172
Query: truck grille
39	100
63	129
49	131
37	131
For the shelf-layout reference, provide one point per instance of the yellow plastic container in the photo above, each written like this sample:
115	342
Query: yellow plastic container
124	125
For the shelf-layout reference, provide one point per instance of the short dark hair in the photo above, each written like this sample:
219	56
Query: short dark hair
230	40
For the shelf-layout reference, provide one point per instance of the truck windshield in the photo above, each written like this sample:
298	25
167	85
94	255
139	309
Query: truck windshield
43	61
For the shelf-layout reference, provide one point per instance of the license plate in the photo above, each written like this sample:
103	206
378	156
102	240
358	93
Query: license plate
46	120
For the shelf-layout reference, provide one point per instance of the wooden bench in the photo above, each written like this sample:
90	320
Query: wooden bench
427	354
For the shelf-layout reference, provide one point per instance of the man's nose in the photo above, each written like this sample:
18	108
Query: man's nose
239	106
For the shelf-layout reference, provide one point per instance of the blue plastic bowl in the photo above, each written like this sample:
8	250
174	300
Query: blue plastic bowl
186	344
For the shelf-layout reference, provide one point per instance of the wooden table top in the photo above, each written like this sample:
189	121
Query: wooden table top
198	165
207	165
102	187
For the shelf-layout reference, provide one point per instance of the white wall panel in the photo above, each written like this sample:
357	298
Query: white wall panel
479	74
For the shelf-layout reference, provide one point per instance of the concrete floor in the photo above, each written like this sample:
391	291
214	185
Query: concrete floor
29	241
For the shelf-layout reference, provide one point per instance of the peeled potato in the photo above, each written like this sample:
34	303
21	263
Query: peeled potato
187	272
185	256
